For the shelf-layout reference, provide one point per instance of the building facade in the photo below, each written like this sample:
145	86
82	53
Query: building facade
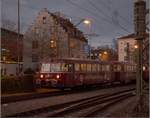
52	36
104	54
126	48
11	52
128	52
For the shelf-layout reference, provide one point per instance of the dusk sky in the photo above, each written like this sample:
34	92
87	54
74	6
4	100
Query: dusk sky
110	18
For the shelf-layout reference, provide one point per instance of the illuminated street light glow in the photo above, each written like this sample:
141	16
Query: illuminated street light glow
52	41
105	52
87	22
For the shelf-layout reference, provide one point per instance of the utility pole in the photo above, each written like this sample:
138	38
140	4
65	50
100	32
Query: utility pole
140	32
18	39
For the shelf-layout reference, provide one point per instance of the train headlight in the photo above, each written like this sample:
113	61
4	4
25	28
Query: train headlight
144	68
57	76
41	76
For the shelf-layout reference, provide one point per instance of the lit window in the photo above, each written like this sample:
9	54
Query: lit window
77	67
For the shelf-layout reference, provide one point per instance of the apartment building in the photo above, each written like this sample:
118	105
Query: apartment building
126	48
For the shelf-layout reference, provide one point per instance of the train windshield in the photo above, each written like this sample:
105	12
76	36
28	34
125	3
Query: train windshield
54	67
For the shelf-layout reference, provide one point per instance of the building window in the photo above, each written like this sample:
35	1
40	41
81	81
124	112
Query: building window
36	30
35	58
34	44
44	20
125	58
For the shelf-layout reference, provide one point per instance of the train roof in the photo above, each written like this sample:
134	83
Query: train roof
77	60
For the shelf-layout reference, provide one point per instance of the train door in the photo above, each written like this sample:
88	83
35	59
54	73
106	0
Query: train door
117	69
69	81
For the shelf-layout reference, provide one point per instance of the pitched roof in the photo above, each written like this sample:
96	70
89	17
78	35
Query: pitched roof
128	36
69	27
10	31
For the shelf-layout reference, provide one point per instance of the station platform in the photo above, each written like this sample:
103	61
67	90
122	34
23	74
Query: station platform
12	97
39	90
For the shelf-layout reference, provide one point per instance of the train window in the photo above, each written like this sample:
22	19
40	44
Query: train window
107	68
99	68
125	68
89	67
116	67
77	67
134	68
70	67
128	68
83	67
103	67
55	67
94	67
45	67
64	67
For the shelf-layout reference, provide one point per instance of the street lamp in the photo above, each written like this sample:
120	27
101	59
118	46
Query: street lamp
88	23
85	21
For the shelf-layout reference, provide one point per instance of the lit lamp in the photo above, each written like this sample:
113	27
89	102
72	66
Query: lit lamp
51	43
105	52
100	55
87	22
4	58
135	46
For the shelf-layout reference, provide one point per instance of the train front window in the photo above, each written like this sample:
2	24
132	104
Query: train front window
45	67
55	67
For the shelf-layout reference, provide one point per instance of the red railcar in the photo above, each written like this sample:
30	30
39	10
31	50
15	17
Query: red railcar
123	72
68	73
146	73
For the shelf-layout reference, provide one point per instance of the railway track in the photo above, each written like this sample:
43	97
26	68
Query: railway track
82	108
10	99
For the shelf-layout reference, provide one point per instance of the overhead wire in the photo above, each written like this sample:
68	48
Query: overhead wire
108	17
122	17
93	13
89	12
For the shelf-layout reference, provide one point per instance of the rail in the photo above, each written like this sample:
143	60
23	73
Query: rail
97	103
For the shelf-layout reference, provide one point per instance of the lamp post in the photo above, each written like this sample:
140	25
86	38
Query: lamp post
85	21
140	31
18	38
88	23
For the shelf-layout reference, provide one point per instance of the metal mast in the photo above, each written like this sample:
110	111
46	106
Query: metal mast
18	38
140	32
